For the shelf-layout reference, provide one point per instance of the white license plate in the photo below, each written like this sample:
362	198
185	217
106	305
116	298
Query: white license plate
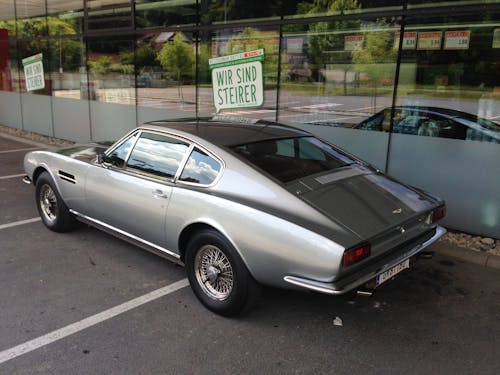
390	273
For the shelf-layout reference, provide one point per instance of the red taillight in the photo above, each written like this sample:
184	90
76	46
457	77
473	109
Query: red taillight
438	213
356	254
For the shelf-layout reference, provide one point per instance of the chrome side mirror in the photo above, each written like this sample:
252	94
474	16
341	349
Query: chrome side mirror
101	157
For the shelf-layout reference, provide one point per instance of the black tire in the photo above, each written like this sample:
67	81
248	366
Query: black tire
229	288
51	207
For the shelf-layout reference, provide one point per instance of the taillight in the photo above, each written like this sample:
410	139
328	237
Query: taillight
438	213
356	254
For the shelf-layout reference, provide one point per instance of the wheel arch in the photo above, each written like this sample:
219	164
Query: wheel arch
190	230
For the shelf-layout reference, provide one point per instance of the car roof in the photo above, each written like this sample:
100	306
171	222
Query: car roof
229	131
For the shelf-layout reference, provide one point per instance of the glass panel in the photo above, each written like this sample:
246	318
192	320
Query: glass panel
7	20
110	63
108	14
68	76
337	73
153	13
449	83
314	8
31	19
236	91
65	17
165	63
200	168
119	154
157	156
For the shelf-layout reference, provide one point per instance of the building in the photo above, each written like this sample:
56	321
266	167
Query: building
423	107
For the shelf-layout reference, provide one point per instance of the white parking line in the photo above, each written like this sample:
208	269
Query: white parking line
20	149
12	176
22	222
61	333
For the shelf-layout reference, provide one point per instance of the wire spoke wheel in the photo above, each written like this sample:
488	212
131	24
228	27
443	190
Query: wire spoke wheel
48	203
214	272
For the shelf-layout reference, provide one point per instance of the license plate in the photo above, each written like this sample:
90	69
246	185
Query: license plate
390	273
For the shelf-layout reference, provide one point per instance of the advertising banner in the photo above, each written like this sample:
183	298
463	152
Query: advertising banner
353	42
429	40
33	72
237	80
409	40
457	39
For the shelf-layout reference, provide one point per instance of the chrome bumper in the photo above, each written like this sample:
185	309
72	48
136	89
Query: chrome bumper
345	285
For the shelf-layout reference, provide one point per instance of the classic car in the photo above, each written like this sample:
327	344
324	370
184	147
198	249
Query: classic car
240	205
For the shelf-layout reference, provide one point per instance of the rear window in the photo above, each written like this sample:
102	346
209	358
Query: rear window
293	158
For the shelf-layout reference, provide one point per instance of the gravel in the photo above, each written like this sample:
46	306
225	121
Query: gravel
487	245
51	141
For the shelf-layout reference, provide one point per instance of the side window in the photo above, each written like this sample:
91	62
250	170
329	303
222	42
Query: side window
285	147
157	155
200	168
117	157
309	151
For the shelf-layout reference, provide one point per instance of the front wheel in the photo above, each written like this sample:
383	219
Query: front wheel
52	209
218	276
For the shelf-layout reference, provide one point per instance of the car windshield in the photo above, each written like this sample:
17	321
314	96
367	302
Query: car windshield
293	158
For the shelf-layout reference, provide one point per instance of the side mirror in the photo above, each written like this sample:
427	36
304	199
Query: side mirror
100	157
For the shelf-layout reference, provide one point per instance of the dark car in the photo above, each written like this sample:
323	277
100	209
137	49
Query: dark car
434	122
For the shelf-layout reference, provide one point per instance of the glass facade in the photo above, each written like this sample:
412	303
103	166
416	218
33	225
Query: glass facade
411	86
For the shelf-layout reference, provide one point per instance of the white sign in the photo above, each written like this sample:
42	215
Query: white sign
429	40
237	80
33	72
456	39
294	45
409	40
353	42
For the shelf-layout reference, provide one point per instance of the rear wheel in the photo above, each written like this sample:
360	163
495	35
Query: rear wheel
218	276
52	209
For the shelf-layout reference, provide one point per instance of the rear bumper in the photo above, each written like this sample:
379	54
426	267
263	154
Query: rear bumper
366	274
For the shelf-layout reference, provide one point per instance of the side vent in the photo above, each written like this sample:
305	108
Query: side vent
67	177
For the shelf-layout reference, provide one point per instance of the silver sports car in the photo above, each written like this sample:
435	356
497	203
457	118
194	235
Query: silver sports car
240	205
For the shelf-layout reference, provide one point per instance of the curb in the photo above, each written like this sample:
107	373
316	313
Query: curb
471	256
25	140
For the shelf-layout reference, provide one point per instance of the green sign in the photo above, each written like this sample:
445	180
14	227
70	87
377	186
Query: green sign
237	80
33	72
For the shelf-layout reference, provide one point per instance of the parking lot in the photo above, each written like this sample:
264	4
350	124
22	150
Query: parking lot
87	303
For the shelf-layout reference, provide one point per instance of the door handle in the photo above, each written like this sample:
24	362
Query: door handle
159	194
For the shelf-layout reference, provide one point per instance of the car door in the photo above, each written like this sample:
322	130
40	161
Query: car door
131	189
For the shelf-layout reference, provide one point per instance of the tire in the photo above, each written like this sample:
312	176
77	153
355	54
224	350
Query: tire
51	207
218	276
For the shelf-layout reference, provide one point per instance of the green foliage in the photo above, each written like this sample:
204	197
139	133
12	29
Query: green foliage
250	39
177	57
377	57
145	55
102	65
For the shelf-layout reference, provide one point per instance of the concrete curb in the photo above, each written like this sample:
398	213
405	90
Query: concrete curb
471	256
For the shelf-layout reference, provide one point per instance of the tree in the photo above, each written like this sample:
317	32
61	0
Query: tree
326	36
251	39
377	58
177	57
